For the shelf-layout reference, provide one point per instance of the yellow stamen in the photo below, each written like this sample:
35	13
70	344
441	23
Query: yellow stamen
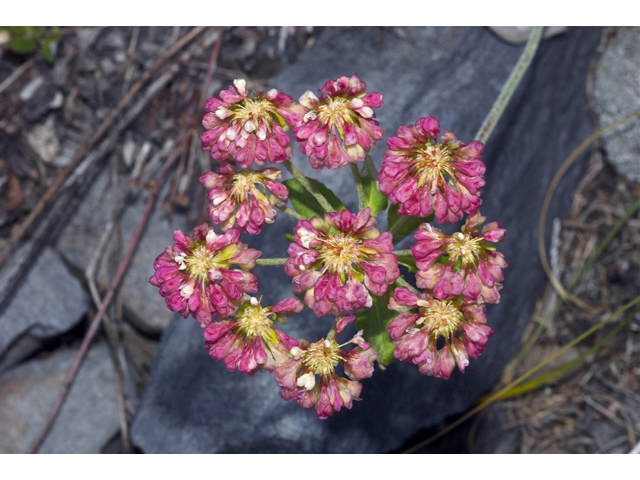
442	316
431	165
322	357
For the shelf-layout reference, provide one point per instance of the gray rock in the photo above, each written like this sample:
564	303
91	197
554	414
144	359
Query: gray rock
39	104
192	404
88	418
48	302
617	93
79	240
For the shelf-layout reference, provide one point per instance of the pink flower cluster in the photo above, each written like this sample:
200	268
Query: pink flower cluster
338	129
339	261
416	335
194	274
424	176
465	263
249	342
240	198
309	376
249	130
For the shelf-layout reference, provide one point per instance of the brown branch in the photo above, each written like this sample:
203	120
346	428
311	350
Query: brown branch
118	354
213	63
95	323
97	136
15	75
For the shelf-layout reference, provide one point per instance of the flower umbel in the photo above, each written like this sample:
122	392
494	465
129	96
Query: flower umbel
463	263
309	377
250	129
249	342
415	335
240	198
339	260
339	129
424	176
194	274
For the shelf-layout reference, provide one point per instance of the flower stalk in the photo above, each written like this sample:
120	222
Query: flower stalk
359	190
271	261
510	86
292	213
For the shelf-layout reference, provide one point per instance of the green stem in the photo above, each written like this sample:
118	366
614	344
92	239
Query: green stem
304	181
605	242
292	213
359	189
401	281
396	226
559	352
271	261
542	380
510	86
401	253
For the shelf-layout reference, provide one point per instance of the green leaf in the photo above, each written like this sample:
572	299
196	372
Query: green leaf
47	53
374	321
410	223
289	237
22	45
372	196
36	32
305	203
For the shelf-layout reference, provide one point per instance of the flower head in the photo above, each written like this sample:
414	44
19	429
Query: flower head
416	335
424	176
339	129
309	376
339	260
237	199
194	274
463	263
250	129
249	342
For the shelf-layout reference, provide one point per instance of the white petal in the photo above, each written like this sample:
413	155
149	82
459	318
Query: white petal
241	84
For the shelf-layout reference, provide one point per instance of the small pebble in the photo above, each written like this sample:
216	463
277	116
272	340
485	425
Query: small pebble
31	88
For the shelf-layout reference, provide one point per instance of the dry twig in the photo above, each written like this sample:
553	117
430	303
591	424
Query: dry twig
15	75
547	202
95	323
